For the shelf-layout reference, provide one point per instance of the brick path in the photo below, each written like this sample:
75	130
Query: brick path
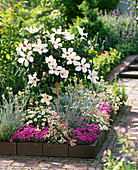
126	117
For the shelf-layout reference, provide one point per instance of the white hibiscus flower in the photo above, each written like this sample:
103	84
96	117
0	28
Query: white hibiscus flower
82	66
56	42
50	60
46	98
33	79
54	69
68	36
26	58
39	47
66	52
73	59
64	73
81	32
93	76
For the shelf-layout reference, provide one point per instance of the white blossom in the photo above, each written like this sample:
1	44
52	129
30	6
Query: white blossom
33	79
50	60
68	36
46	98
66	52
56	42
54	69
58	31
82	66
73	59
93	76
39	47
26	58
64	73
33	30
81	32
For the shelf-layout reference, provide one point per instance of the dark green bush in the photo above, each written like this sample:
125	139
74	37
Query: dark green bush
108	5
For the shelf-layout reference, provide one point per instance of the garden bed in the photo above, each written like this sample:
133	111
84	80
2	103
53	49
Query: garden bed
56	150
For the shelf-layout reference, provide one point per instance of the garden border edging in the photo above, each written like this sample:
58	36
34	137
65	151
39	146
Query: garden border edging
54	150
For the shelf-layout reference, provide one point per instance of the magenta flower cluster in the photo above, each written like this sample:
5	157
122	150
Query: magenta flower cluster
104	107
85	134
28	133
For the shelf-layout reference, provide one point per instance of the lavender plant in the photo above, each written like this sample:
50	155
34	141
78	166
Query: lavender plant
121	32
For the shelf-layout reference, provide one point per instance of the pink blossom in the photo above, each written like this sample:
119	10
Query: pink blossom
116	127
123	130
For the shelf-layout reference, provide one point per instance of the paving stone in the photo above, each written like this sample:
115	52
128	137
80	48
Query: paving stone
92	168
25	163
6	162
54	165
74	165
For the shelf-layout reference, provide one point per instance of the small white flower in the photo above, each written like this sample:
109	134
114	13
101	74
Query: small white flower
30	121
58	31
43	124
31	116
54	69
35	119
56	42
46	98
93	76
33	30
81	32
25	46
64	73
33	79
26	58
68	36
72	59
44	119
66	52
82	66
39	47
50	60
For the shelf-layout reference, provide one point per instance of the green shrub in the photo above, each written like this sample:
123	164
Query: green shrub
6	131
106	61
107	5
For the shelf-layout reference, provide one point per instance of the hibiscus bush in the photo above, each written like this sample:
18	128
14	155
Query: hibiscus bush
53	58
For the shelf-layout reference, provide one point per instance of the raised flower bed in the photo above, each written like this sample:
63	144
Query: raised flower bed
63	111
56	150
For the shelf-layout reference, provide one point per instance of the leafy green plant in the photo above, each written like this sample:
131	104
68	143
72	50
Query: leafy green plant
106	61
6	131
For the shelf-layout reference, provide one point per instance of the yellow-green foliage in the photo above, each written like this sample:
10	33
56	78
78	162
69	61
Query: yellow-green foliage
106	61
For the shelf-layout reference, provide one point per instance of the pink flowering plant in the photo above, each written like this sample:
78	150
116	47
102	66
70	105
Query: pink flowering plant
29	133
85	134
104	107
